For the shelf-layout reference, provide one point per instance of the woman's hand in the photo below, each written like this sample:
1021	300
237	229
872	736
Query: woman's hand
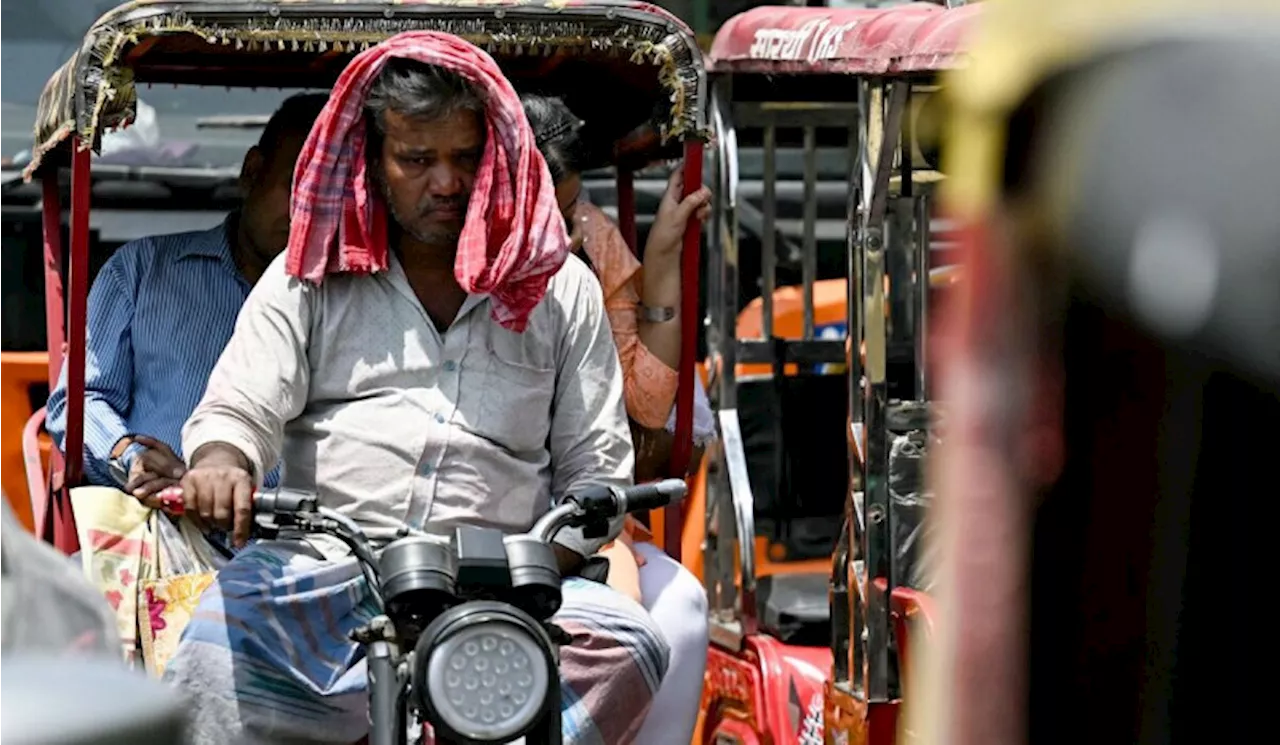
660	285
666	237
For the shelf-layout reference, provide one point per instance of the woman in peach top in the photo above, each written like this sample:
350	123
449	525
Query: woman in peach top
642	302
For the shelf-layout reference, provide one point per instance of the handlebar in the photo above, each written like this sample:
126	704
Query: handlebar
302	510
299	510
653	496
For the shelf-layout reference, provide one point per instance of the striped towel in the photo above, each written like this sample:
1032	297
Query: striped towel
266	657
514	239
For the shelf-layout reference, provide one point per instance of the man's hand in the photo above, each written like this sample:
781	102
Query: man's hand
219	489
154	469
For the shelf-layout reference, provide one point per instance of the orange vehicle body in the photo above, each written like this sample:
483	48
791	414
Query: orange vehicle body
19	372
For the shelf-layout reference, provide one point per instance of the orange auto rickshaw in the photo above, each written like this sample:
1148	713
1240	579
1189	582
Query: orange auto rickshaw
633	72
826	259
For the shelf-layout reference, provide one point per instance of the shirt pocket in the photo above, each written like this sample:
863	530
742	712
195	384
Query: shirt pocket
515	407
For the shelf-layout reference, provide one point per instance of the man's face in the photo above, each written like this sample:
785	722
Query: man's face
426	169
266	180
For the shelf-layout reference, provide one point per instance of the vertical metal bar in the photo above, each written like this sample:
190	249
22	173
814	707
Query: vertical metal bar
626	188
78	290
923	237
858	608
719	549
809	256
743	502
904	259
727	540
715	343
54	299
877	495
877	536
858	159
847	644
769	278
907	148
682	449
768	236
727	303
838	590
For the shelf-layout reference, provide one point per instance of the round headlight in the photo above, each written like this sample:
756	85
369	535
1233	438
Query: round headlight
487	672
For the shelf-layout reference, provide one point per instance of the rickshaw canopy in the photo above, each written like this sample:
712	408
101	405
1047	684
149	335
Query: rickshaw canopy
645	62
914	37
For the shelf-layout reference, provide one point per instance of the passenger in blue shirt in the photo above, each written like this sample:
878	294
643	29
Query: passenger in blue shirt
160	312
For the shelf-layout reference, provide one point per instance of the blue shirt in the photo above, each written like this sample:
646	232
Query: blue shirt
160	312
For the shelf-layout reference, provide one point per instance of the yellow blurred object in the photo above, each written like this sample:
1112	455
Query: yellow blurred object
1021	43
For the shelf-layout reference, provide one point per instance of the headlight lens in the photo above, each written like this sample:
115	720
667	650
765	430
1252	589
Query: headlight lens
488	680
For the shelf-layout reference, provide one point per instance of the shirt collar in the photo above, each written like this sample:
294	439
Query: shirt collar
401	280
214	243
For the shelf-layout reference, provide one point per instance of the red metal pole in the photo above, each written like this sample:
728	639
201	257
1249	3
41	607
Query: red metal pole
54	300
627	206
673	524
78	292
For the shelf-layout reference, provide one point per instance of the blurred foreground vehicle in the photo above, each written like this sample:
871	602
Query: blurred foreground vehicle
1113	378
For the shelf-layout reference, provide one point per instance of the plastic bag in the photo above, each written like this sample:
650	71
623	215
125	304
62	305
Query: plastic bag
150	567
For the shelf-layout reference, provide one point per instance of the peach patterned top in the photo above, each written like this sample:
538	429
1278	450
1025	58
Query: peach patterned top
648	384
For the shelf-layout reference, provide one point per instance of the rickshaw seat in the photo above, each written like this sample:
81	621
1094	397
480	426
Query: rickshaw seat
793	608
797	460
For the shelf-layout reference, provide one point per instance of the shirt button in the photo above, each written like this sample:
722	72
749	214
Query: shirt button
450	365
425	469
439	418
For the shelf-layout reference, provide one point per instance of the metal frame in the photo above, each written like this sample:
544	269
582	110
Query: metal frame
730	526
887	239
890	241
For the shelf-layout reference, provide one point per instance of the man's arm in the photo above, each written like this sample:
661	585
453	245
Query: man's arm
260	382
108	374
590	439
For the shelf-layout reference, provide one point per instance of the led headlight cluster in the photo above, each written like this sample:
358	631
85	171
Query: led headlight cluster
483	671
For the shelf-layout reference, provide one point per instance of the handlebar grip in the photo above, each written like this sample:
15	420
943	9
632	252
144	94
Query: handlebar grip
283	502
654	496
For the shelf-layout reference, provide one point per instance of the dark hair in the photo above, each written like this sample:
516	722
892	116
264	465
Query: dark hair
557	132
418	90
295	116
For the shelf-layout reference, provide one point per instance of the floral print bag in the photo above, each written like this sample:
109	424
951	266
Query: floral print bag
151	568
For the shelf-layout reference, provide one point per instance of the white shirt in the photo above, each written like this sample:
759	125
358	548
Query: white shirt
393	423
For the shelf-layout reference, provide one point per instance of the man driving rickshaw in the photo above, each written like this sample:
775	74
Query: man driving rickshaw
480	415
327	366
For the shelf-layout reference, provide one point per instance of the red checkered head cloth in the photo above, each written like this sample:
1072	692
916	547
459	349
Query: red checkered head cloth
514	238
